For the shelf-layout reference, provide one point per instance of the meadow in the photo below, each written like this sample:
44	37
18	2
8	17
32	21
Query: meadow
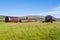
30	31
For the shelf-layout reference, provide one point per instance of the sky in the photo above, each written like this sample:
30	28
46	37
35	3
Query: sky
30	7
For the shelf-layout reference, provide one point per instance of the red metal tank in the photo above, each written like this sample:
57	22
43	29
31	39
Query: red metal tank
11	19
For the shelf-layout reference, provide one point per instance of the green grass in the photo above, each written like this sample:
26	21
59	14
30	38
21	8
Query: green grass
30	31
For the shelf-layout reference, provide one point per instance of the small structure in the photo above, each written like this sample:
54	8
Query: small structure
27	20
11	19
49	18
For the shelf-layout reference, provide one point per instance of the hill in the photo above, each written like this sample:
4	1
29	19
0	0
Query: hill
38	17
2	18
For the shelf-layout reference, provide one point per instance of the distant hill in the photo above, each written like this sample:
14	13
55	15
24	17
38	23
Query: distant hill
38	17
58	19
33	16
2	18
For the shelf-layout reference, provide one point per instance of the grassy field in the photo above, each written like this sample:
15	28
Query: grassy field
30	31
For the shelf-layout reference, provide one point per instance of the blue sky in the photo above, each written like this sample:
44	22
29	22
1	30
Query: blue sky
30	7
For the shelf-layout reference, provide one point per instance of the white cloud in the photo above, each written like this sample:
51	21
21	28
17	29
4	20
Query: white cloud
51	12
54	12
57	8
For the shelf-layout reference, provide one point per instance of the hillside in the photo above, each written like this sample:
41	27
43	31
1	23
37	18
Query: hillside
33	17
2	18
38	17
58	19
